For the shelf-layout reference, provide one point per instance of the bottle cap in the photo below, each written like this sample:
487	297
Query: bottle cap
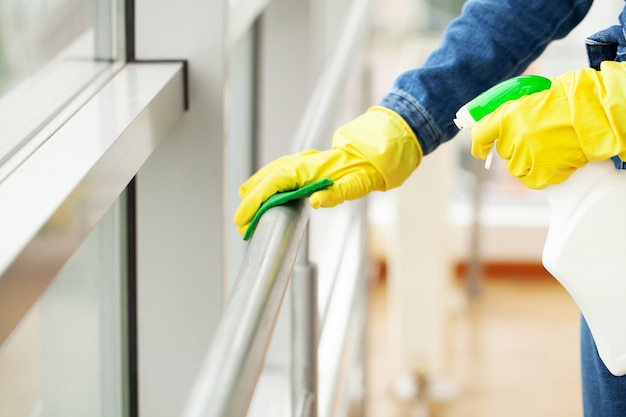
463	118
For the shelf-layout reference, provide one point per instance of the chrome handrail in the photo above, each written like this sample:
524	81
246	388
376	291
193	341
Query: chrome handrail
229	374
226	382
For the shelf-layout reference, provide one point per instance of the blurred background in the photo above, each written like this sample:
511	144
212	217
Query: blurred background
460	317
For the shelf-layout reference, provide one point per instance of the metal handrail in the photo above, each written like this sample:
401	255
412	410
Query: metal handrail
229	374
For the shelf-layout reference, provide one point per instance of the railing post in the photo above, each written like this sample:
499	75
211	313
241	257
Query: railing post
304	335
475	267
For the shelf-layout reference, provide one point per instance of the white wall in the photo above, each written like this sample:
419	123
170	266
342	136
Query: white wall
179	198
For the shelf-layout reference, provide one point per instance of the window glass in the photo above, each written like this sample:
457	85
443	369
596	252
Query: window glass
67	357
51	51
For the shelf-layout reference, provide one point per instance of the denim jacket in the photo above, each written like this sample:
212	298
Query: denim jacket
491	41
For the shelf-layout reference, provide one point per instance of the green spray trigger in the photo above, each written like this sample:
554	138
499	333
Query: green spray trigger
507	90
488	101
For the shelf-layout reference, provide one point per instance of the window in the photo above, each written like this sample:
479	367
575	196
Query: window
67	356
52	54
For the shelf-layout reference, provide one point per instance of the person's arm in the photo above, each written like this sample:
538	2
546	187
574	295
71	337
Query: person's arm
492	40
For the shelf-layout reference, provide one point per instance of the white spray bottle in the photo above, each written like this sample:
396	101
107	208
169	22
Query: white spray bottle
585	249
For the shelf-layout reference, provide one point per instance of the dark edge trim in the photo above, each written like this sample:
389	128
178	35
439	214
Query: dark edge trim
131	282
131	248
129	27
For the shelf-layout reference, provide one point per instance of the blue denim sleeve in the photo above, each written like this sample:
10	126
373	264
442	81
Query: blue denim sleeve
492	40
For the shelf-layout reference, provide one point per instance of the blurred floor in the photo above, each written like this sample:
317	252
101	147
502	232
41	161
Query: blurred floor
513	351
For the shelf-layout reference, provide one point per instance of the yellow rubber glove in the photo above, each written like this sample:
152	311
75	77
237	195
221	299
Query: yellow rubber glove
546	136
376	151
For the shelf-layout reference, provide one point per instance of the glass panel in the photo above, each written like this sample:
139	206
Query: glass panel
50	50
67	357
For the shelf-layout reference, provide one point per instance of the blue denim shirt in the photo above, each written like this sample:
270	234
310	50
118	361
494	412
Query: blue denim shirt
491	41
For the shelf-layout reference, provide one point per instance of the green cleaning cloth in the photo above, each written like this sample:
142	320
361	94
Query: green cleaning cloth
282	198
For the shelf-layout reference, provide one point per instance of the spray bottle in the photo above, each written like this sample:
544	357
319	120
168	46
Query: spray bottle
585	245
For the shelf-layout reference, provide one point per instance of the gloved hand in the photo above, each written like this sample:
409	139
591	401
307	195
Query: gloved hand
545	136
376	151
